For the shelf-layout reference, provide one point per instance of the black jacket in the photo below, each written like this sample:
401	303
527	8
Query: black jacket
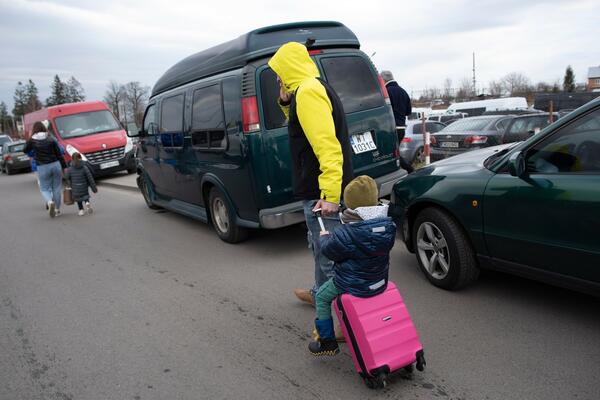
400	102
305	165
80	178
46	151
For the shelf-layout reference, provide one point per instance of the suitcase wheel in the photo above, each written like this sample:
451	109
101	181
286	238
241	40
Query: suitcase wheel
409	369
421	360
379	382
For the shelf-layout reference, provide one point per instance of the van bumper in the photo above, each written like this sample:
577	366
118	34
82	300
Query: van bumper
293	213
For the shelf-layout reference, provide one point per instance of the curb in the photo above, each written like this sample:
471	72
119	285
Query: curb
119	186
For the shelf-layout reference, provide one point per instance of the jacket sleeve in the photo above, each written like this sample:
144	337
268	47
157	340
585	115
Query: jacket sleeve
90	179
314	111
337	246
28	147
58	154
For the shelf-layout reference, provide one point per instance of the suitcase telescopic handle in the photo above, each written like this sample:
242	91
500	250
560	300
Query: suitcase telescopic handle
320	219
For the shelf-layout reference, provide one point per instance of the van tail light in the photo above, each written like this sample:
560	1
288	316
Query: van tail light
476	139
313	52
396	153
386	96
406	140
250	121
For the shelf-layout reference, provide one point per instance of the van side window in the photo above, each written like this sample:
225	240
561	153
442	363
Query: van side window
269	91
354	82
171	121
150	121
208	124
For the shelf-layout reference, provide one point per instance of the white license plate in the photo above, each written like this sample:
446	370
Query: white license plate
23	158
449	144
109	164
362	142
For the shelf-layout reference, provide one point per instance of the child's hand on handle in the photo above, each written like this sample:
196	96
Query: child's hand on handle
327	209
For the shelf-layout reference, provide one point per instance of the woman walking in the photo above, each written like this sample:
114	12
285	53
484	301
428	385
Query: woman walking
50	164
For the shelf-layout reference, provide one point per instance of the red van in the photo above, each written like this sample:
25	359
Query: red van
91	129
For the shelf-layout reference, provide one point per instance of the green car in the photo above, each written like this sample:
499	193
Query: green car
529	208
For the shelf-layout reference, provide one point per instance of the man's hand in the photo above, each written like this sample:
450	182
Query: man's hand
284	96
324	233
327	209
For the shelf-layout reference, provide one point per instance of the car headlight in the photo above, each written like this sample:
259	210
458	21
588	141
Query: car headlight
72	150
128	145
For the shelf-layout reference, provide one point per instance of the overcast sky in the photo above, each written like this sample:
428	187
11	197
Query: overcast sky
421	42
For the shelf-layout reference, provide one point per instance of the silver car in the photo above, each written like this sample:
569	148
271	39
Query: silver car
411	146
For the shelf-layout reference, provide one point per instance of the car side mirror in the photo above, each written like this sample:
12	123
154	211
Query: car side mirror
516	164
133	134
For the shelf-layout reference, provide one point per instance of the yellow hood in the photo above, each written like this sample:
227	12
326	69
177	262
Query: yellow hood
293	65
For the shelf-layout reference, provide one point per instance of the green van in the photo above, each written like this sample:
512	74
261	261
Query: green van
214	143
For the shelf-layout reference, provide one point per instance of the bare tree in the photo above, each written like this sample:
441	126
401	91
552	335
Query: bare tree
465	90
516	83
115	98
496	88
447	89
136	96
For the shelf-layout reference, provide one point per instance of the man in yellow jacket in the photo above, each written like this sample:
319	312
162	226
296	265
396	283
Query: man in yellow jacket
319	147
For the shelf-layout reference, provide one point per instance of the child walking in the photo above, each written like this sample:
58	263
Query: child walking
360	249
80	179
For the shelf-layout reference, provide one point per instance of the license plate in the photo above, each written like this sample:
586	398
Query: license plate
109	164
449	144
362	142
23	158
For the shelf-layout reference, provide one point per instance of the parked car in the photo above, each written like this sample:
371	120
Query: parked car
525	126
468	134
13	159
214	142
447	119
530	208
91	129
411	146
4	138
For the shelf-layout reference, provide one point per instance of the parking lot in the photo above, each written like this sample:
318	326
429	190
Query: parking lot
131	303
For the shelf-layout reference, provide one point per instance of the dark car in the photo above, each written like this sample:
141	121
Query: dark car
13	159
530	208
411	146
468	134
523	127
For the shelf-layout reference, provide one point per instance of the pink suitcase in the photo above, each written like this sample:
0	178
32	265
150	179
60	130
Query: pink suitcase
380	335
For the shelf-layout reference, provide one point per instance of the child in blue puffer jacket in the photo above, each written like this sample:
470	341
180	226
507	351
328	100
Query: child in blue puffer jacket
360	249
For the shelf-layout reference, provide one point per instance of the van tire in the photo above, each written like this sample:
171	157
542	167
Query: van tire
223	218
143	185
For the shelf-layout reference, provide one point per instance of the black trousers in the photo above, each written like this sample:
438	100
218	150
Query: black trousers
80	205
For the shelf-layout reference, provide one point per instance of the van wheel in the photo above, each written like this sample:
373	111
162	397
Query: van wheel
143	185
443	250
223	218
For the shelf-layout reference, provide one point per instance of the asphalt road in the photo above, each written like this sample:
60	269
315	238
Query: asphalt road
134	304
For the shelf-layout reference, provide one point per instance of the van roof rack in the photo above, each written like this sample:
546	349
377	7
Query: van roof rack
262	42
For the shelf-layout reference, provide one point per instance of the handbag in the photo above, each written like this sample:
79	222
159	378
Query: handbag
67	196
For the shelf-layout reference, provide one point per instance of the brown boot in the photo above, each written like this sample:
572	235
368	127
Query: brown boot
305	295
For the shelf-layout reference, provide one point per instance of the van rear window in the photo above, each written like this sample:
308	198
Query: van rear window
269	90
354	82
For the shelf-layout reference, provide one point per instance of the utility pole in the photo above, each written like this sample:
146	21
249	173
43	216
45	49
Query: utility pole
474	80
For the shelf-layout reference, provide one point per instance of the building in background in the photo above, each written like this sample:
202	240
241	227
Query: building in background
594	79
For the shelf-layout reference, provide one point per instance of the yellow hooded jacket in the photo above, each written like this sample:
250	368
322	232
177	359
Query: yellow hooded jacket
298	72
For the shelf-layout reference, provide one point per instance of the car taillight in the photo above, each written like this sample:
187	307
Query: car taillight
250	121
386	96
7	157
406	140
313	52
476	139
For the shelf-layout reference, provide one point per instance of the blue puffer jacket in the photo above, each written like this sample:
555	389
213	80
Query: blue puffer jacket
361	252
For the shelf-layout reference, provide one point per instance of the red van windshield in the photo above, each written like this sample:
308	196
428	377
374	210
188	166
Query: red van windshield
84	124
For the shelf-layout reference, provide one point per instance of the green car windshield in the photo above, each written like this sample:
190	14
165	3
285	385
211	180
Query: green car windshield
87	123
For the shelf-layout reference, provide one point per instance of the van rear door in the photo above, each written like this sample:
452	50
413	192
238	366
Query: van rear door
370	122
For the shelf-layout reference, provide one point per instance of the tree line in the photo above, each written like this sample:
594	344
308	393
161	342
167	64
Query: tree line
512	84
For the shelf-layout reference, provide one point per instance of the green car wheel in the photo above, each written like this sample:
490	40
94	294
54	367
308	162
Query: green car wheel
443	250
